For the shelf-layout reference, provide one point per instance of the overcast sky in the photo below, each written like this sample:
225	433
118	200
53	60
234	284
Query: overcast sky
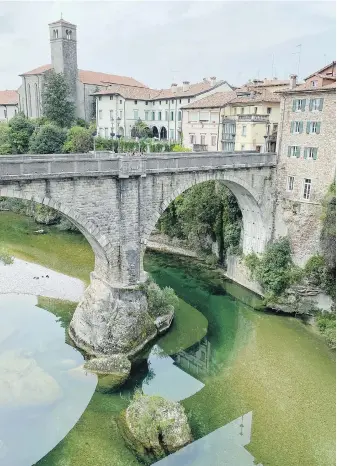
160	42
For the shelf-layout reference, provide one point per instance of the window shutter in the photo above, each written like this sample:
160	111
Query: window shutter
308	127
305	152
301	126
298	152
318	129
320	104
289	151
315	153
303	103
294	105
292	126
311	104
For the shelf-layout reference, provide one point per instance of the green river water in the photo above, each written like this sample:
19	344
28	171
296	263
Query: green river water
273	366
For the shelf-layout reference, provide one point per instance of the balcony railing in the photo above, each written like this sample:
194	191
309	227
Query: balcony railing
199	147
254	118
228	137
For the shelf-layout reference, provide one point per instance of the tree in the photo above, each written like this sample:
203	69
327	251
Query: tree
5	146
56	104
79	139
141	130
48	139
20	132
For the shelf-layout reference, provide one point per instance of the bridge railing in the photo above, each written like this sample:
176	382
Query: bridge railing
68	165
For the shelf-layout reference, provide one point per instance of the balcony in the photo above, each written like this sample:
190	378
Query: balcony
254	118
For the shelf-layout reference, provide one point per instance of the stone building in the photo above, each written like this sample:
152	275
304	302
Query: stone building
82	84
9	104
306	160
119	107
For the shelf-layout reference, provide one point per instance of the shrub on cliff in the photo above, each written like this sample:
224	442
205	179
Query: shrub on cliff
160	301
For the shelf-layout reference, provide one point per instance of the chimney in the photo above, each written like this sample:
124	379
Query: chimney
174	87
213	81
293	81
186	86
205	80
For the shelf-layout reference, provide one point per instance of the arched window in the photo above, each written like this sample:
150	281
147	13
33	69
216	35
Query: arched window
37	109
68	34
55	34
29	110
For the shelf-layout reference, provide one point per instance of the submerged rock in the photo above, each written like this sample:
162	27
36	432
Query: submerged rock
153	427
23	383
112	371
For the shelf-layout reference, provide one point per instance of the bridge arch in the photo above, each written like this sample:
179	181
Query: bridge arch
256	228
88	228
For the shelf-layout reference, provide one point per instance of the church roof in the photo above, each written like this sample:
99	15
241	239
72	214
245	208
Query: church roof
9	98
92	77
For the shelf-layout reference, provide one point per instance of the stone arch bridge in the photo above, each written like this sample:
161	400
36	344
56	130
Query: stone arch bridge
115	202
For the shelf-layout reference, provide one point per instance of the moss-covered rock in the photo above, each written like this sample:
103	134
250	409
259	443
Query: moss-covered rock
112	371
153	427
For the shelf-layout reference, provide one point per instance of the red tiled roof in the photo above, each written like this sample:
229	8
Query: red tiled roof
307	87
92	77
322	69
256	96
217	100
9	98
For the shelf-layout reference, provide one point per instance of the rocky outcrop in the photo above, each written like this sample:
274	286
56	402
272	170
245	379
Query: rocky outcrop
153	427
23	383
112	371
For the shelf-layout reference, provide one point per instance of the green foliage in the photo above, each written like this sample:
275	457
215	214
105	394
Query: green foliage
160	301
315	269
326	323
48	139
79	139
56	104
81	122
5	146
20	132
5	257
180	148
252	261
140	130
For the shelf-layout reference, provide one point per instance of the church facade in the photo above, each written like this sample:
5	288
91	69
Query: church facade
82	84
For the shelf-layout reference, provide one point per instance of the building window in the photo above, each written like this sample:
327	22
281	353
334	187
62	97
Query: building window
153	103
313	127
314	83
188	100
121	114
153	116
166	101
294	151
111	114
111	97
172	100
146	102
242	147
242	110
106	133
120	101
268	110
159	116
136	102
307	188
275	126
135	114
146	115
315	105
68	34
299	105
244	131
290	183
192	116
160	102
55	34
296	127
100	97
310	153
204	116
255	110
203	139
172	116
179	115
180	101
100	114
213	140
192	138
171	134
166	115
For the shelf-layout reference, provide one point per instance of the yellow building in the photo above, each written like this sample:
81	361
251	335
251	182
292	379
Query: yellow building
251	120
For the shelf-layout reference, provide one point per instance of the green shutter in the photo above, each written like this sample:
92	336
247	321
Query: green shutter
303	103
318	130
320	104
308	127
298	152
306	152
294	105
311	104
315	153
301	126
292	126
289	151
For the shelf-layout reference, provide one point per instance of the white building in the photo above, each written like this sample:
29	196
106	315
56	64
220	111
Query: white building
119	107
9	101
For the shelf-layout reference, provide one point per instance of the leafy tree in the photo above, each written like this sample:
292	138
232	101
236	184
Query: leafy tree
141	130
79	139
56	104
5	146
48	139
20	132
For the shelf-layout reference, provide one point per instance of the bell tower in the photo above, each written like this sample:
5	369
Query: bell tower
63	47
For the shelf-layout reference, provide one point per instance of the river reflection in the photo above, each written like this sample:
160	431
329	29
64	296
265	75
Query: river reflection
43	388
196	360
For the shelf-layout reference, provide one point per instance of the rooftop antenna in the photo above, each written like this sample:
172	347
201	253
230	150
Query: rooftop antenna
299	46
